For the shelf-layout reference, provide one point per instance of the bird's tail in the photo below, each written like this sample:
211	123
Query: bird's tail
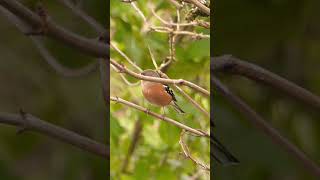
177	108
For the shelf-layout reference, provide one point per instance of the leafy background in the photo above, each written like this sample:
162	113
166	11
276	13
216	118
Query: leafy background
281	36
157	153
26	81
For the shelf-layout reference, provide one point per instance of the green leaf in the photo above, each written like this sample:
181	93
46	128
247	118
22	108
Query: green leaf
169	133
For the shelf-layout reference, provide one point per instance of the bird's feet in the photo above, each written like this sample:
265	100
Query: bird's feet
147	111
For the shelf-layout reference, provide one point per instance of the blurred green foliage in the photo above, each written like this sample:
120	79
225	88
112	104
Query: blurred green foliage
157	154
281	36
28	82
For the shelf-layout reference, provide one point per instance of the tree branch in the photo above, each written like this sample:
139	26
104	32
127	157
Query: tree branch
261	124
86	45
228	63
161	117
187	154
201	6
29	122
44	52
92	22
195	87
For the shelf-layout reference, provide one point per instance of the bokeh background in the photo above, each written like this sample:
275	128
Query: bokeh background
28	82
281	36
157	153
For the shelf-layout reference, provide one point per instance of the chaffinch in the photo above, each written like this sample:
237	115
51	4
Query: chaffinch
157	93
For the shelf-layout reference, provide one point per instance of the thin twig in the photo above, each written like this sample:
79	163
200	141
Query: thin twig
32	123
187	154
135	7
192	101
184	94
201	6
160	117
262	125
152	58
193	34
171	23
195	87
124	78
113	46
176	3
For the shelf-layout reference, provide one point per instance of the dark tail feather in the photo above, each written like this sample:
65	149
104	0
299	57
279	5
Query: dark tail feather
177	108
221	154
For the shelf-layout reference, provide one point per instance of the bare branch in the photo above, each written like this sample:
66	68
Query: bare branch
161	117
113	46
124	78
29	122
186	153
60	69
86	45
152	58
201	6
262	125
123	69
234	65
77	11
47	56
192	101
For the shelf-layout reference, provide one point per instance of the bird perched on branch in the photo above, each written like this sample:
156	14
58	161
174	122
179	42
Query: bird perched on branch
157	93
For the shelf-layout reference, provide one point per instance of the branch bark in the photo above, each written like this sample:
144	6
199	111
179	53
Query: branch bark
261	124
161	117
228	63
123	69
201	6
55	31
32	123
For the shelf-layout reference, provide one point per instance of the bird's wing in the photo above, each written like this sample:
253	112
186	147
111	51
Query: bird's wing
169	91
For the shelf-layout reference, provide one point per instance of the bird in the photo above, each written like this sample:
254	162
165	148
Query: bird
158	93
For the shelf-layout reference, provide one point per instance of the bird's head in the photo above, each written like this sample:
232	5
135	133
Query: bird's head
150	72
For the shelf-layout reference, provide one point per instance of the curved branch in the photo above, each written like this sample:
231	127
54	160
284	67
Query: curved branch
60	69
234	65
123	69
29	122
261	124
44	52
187	154
161	117
92	22
53	30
